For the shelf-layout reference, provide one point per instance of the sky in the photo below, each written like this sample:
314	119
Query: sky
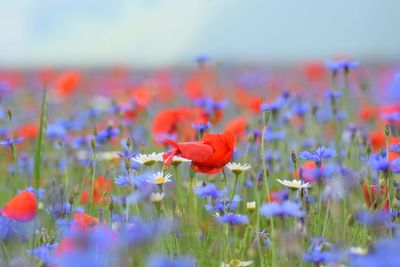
153	33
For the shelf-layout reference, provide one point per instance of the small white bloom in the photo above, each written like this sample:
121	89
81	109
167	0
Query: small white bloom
294	184
238	168
358	250
148	159
251	206
232	263
157	197
101	155
178	160
159	178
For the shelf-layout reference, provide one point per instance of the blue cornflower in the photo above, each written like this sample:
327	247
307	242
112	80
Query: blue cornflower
342	116
56	131
373	218
300	108
395	166
7	227
11	141
319	154
395	148
274	136
160	260
123	180
384	253
209	190
209	105
276	105
285	209
317	253
222	204
233	219
394	116
349	64
139	230
333	95
79	142
106	134
44	253
337	65
379	162
281	195
202	58
200	127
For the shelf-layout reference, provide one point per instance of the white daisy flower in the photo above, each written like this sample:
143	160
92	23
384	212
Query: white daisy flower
232	263
148	159
251	206
101	155
294	184
159	178
178	160
157	197
238	168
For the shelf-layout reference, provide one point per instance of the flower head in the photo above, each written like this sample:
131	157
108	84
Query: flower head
233	263
284	209
238	168
148	159
208	155
233	219
159	178
294	184
319	154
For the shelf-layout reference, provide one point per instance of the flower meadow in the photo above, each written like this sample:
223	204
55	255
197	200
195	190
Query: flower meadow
212	165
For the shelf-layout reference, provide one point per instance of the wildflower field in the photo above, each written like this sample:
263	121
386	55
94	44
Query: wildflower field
210	165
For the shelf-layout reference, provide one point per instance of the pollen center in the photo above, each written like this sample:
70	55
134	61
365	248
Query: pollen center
159	180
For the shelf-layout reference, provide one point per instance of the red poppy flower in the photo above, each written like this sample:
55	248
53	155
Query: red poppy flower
67	83
209	155
367	113
101	186
83	221
27	131
237	126
21	208
314	71
373	199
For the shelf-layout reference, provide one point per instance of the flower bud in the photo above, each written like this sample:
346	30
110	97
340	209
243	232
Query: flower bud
267	116
251	206
294	157
387	130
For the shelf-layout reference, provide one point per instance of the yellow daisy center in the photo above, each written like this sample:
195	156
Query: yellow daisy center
159	180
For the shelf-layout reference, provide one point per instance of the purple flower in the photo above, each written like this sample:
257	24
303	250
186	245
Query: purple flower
106	134
332	95
233	219
11	141
337	65
56	131
373	218
285	209
378	162
160	260
200	127
209	190
395	165
319	154
44	253
317	253
395	148
384	253
223	203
